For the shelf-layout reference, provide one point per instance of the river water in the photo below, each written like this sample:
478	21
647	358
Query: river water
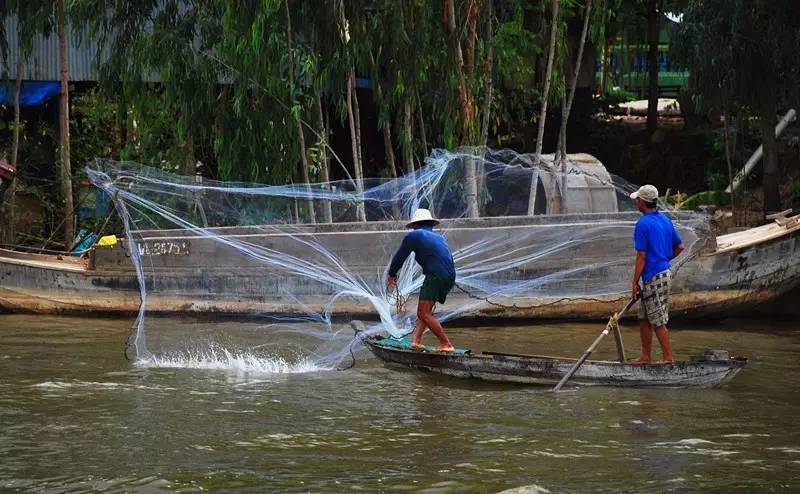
75	415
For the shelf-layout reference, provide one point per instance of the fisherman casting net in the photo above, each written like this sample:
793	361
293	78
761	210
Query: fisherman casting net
529	240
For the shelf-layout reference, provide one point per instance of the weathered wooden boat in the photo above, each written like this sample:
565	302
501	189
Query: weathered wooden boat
714	368
189	273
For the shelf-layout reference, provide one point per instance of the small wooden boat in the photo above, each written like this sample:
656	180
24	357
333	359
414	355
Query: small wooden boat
713	368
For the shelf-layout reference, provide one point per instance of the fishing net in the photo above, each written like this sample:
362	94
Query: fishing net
530	238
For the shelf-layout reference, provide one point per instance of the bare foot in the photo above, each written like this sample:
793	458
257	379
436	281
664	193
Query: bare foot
665	362
445	348
418	346
640	361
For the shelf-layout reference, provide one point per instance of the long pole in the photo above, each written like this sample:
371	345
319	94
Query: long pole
751	163
609	327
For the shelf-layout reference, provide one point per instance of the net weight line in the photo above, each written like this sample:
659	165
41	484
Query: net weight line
524	307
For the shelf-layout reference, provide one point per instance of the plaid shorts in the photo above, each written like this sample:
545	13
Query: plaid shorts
654	304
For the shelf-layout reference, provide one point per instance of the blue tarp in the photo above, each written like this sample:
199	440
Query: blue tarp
87	240
32	93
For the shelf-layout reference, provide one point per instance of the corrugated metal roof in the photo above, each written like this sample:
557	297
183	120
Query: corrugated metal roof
43	62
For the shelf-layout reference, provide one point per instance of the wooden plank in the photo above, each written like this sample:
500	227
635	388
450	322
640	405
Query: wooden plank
782	214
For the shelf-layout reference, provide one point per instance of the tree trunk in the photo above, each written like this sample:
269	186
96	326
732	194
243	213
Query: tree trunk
388	149
388	146
408	142
652	65
464	97
488	74
545	94
488	86
18	88
772	201
122	121
357	119
421	121
606	68
561	161
472	35
355	140
327	213
189	159
728	160
11	219
66	170
567	108
465	103
298	120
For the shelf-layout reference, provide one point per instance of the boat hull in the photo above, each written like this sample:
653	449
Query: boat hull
530	369
189	275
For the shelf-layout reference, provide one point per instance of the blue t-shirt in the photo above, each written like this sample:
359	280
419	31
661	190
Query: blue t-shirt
430	251
656	237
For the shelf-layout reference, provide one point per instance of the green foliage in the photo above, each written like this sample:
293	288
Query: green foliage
706	198
742	53
92	128
224	81
616	95
225	95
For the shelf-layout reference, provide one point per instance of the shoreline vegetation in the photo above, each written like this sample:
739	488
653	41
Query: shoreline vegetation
298	91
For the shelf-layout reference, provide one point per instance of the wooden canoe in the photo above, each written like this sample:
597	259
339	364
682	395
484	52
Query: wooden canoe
714	368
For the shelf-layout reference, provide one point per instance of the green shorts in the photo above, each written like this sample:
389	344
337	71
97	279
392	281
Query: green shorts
436	288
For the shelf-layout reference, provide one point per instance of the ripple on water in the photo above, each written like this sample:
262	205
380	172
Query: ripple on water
741	435
786	449
71	385
686	442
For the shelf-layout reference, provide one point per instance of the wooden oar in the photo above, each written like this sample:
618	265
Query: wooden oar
612	322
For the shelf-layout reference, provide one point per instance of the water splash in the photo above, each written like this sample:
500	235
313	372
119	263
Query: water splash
240	362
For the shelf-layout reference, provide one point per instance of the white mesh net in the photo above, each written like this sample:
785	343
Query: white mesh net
529	239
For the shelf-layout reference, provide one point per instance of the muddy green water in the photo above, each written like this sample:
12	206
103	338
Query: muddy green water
75	415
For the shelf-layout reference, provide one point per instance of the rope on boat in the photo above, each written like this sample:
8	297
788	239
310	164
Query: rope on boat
694	252
360	339
399	301
352	356
517	307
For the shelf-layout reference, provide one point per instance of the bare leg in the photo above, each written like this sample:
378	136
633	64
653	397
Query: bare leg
663	339
646	335
425	314
416	336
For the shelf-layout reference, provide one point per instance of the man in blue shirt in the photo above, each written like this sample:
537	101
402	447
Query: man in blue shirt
433	255
656	242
